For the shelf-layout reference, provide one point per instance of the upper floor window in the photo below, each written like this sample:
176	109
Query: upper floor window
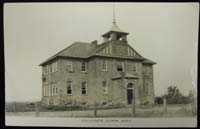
130	52
43	91
84	67
104	65
104	51
84	88
107	49
110	47
69	87
50	90
50	68
134	67
54	67
120	67
105	87
47	69
69	66
53	90
56	90
43	72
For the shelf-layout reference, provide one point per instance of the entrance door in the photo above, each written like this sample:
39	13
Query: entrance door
129	96
130	93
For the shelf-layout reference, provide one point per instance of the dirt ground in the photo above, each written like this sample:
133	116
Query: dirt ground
158	111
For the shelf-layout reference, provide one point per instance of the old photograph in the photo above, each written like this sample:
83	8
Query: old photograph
110	64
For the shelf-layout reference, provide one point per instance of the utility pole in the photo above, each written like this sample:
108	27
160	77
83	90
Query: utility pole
165	105
133	105
36	109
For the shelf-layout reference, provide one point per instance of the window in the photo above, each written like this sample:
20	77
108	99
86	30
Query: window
110	49
134	67
56	91
130	52
104	83
105	88
46	90
84	103
55	66
104	66
104	51
69	66
53	90
50	90
43	92
69	87
47	69
107	49
43	70
84	88
120	67
84	67
51	70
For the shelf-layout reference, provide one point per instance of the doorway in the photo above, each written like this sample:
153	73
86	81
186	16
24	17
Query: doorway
130	93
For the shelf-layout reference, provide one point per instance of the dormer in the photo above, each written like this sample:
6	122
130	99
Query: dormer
115	34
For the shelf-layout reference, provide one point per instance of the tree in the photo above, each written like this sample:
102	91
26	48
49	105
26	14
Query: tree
174	96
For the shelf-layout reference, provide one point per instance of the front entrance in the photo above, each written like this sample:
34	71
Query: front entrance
130	93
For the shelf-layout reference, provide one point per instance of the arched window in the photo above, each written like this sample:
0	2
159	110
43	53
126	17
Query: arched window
130	86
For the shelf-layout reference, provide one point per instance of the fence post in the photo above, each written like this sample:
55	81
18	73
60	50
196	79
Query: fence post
95	109
14	107
133	107
36	109
165	105
193	107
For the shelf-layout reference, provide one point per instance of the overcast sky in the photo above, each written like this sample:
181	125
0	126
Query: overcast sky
164	33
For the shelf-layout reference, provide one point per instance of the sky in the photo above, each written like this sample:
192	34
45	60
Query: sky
166	33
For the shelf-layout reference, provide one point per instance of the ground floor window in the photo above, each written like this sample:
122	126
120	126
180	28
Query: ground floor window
84	88
69	87
105	87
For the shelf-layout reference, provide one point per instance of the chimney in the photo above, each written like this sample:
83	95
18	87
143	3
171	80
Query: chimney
94	43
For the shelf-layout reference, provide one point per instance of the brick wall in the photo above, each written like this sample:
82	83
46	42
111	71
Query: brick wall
94	78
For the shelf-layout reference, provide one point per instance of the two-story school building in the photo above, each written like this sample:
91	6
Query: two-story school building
112	72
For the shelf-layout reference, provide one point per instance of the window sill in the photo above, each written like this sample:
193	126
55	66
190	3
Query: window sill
84	72
84	94
69	71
